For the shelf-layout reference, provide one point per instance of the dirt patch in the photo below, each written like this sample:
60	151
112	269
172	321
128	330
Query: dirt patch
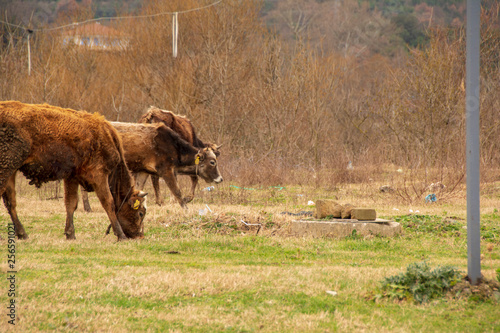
486	289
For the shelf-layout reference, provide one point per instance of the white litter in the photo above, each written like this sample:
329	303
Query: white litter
331	292
249	223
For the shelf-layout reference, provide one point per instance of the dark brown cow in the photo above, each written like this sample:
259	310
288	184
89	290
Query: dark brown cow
48	143
155	149
182	126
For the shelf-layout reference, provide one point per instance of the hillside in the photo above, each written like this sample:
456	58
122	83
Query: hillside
41	12
357	28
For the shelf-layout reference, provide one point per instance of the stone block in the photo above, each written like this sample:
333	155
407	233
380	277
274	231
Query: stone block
346	211
326	208
363	214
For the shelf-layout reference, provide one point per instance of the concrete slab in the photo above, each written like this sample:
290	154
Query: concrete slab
340	228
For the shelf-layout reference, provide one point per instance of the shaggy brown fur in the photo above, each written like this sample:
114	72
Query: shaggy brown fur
182	126
49	143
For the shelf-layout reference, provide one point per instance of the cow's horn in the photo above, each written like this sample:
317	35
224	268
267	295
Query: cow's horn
142	194
218	147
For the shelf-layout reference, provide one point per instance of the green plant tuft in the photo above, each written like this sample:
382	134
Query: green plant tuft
420	283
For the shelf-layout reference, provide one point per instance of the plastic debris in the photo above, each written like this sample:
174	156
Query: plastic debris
279	188
249	223
430	198
310	203
242	188
331	292
209	189
202	212
301	213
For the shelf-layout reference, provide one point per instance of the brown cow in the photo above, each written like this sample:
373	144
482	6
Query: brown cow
182	126
48	143
155	149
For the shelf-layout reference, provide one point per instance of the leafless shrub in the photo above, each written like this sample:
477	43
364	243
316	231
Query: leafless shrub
285	113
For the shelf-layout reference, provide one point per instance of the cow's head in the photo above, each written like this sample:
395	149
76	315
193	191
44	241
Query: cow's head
131	215
207	168
215	148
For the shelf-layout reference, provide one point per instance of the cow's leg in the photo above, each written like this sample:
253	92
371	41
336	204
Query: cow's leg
194	183
156	185
71	202
85	200
104	194
14	149
9	200
171	180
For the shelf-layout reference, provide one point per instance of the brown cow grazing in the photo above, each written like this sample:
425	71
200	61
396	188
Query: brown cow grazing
182	126
155	149
48	143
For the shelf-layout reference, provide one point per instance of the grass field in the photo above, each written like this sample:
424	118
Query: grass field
210	272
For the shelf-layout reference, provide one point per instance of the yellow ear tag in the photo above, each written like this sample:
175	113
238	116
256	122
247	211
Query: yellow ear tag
197	161
137	203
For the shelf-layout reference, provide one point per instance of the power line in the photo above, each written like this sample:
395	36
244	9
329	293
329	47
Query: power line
112	18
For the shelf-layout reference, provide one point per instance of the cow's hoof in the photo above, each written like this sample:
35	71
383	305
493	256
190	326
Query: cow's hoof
70	237
188	199
22	236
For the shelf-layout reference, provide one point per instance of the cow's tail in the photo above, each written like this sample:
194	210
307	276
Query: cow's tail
14	149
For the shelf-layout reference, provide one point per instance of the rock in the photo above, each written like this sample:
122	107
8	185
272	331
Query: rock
326	208
363	214
386	189
346	211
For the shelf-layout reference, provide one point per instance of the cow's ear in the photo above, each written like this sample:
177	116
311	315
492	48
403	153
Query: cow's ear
135	204
199	158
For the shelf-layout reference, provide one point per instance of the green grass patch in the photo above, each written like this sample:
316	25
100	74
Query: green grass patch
213	273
